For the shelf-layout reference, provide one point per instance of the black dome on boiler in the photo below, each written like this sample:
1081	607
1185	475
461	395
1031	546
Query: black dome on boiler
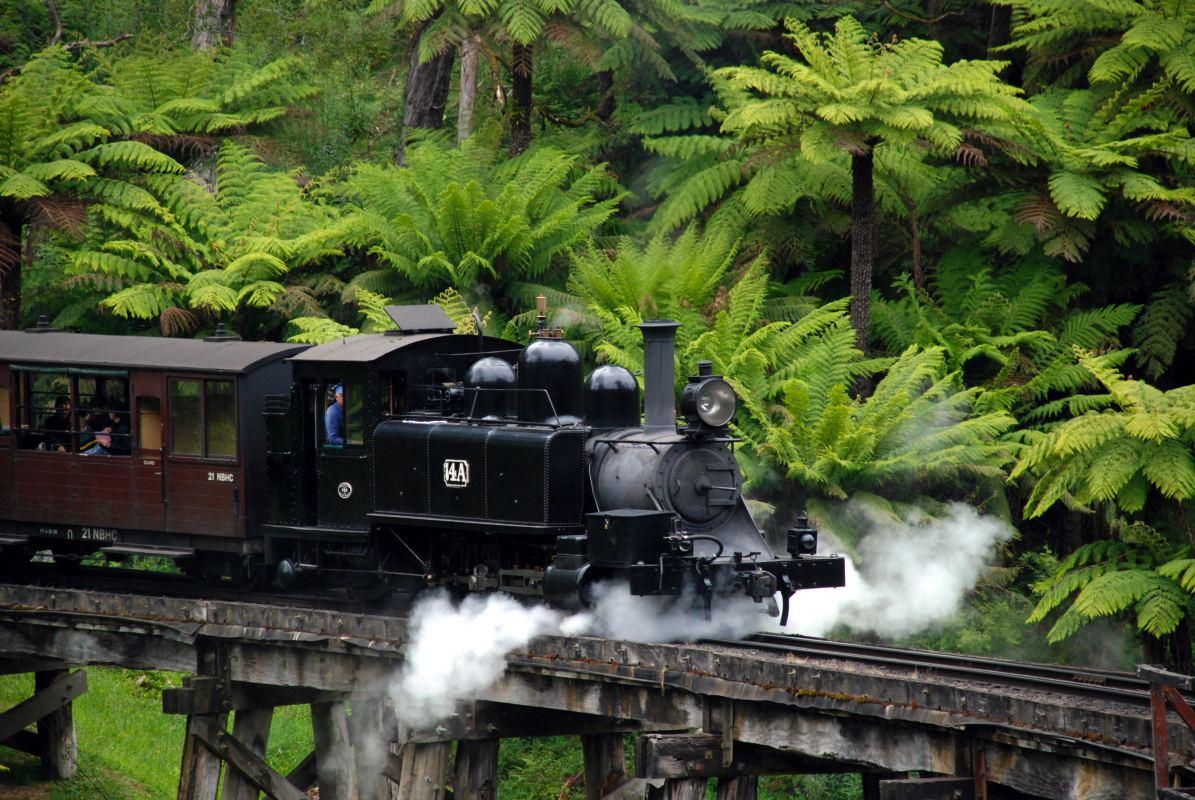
494	382
554	366
612	398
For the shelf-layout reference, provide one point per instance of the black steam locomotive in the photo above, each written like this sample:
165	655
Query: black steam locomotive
469	462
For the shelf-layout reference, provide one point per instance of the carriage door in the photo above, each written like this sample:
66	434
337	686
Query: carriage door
342	465
149	464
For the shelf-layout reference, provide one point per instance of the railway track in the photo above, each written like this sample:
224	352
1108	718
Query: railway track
1087	682
158	584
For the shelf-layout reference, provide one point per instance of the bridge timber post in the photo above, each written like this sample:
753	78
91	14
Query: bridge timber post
54	689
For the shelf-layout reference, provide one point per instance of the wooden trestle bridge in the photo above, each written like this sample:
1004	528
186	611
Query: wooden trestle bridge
713	711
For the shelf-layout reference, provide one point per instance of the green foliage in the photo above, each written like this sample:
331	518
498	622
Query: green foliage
1139	444
175	253
1144	41
174	94
916	429
455	217
1139	571
1099	142
1012	331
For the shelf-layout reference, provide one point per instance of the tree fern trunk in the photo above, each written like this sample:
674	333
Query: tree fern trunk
999	30
1000	33
520	95
426	92
214	25
470	49
605	82
11	224
863	243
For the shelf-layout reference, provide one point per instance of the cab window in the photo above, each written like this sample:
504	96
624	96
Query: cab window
340	418
203	418
5	411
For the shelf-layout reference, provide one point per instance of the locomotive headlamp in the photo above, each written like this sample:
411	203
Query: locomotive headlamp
708	401
802	539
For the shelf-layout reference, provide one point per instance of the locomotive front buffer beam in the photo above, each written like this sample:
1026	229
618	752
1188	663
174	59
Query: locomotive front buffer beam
645	551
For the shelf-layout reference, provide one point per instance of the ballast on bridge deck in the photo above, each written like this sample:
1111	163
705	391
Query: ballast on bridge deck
766	710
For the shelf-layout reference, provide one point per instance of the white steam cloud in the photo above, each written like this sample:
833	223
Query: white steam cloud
455	652
911	576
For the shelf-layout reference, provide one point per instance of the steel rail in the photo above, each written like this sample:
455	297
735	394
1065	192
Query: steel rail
1097	683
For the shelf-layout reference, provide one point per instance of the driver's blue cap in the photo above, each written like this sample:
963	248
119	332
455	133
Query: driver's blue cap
338	389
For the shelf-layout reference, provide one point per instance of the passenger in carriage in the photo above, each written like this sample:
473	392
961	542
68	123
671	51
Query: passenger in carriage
57	426
96	438
121	441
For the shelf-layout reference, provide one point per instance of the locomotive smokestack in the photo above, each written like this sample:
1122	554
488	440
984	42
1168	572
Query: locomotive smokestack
659	374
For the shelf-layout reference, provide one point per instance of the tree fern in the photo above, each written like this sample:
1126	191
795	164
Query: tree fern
452	217
173	245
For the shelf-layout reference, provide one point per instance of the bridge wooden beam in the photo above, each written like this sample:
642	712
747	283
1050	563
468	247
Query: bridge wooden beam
927	789
489	720
739	787
57	743
685	755
206	695
199	773
370	745
17	666
223	746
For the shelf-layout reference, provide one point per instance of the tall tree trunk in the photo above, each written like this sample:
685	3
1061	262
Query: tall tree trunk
863	243
426	92
11	225
999	30
215	24
1000	33
915	235
605	82
520	95
470	50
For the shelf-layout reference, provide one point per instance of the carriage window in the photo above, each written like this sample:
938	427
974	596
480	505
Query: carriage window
186	418
203	418
220	415
102	415
5	416
149	423
45	412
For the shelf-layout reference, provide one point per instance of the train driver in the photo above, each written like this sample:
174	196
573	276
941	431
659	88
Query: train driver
334	418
